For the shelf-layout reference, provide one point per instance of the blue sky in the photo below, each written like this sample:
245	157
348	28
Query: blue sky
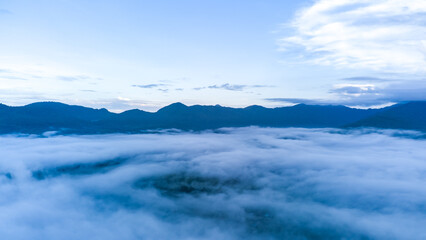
147	54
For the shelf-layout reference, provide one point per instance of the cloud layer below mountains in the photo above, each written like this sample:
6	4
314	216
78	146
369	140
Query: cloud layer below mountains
247	183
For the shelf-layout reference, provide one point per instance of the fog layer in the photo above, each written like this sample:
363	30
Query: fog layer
245	183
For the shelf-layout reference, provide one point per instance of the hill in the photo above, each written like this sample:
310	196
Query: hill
411	115
53	116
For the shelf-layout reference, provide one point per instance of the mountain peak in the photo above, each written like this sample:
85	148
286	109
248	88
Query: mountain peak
47	104
254	107
174	107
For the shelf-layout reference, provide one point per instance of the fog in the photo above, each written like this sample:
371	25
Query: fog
243	183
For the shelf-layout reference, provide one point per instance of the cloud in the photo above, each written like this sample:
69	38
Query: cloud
366	95
73	78
163	90
227	86
383	35
355	89
150	85
299	100
40	73
231	87
371	94
157	86
248	183
12	77
367	78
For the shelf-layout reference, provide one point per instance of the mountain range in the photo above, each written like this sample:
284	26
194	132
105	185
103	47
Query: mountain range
40	117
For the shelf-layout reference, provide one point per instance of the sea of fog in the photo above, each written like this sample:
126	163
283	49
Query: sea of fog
243	183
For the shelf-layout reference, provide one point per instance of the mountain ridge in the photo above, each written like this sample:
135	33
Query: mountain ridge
40	117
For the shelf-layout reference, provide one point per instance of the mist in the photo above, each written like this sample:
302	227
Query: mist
234	183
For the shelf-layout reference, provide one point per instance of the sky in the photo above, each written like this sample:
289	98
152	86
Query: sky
147	54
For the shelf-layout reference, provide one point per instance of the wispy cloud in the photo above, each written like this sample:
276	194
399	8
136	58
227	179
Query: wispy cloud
298	100
150	85
29	72
12	77
354	89
231	87
367	78
72	78
369	94
157	86
383	35
227	86
366	95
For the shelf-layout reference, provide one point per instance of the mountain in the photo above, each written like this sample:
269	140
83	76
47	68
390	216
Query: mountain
53	116
46	116
411	115
198	117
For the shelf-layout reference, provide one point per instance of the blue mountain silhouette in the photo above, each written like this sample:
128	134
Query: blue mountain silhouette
54	116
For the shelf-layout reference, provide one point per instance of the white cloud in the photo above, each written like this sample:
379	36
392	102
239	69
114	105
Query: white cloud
248	183
371	94
365	95
381	35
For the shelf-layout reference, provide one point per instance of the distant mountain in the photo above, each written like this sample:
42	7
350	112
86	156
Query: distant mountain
198	117
45	116
410	115
53	116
